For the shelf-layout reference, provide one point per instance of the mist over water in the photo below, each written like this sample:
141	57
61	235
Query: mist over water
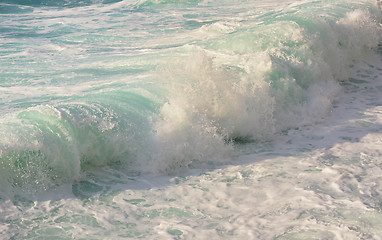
165	87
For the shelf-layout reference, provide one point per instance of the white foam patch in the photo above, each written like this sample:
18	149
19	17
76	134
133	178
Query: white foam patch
241	90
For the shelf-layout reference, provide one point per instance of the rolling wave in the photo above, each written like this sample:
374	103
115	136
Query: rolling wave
167	104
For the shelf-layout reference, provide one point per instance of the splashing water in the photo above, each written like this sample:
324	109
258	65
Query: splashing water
102	102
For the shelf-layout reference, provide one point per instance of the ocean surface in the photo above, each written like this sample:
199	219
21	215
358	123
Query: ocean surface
190	119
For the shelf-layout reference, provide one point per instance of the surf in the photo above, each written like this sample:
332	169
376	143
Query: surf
164	107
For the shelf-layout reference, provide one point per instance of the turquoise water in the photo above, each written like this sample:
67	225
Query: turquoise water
102	100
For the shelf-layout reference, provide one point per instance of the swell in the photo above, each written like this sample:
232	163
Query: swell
240	79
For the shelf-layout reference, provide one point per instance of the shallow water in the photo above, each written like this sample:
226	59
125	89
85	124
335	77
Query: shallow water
190	120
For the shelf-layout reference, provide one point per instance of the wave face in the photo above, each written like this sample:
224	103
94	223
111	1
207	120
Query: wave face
161	85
